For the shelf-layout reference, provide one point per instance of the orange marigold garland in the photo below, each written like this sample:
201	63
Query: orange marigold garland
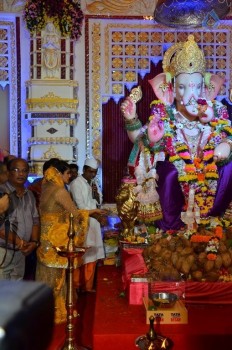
198	172
212	248
211	240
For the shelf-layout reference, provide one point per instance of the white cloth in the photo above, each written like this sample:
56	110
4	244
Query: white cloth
81	193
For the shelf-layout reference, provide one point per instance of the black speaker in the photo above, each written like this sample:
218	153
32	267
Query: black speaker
26	315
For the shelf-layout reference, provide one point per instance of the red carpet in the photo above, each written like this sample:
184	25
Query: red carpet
117	324
110	323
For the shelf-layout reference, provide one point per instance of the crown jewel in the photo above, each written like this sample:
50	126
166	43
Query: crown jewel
184	57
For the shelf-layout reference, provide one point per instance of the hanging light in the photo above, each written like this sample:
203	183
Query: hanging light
191	13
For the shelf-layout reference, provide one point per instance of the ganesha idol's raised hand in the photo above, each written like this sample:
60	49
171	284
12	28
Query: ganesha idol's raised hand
128	109
188	139
155	127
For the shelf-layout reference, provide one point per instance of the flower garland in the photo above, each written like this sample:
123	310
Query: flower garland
210	238
198	173
66	15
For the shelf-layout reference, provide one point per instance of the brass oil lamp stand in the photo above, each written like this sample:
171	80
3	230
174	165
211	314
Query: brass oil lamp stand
70	252
152	340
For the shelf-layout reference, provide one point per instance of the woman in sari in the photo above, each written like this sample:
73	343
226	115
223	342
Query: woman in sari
56	206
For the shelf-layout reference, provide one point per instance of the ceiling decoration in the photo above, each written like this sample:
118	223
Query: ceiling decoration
191	13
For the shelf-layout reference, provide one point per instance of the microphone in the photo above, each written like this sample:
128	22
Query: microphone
94	188
95	194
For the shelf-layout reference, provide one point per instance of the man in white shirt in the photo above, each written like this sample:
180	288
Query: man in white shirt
87	195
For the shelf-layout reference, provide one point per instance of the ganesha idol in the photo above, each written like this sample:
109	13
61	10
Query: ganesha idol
185	148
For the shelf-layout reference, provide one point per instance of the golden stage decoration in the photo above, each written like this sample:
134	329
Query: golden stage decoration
125	7
9	76
111	6
51	153
44	121
52	140
51	100
37	166
93	141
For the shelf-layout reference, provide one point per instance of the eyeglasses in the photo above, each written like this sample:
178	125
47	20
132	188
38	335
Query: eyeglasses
17	171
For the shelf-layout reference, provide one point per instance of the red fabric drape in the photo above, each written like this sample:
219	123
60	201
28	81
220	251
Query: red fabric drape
117	324
116	146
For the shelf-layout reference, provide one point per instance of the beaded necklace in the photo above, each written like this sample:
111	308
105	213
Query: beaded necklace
183	122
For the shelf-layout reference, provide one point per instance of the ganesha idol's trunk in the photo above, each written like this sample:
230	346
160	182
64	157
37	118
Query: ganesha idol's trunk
197	108
191	105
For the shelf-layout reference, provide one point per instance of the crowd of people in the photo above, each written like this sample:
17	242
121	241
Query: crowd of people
35	218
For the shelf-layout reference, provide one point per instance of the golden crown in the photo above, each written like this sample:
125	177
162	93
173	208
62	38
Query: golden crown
184	57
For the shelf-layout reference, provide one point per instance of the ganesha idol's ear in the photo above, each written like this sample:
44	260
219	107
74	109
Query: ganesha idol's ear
213	87
162	88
